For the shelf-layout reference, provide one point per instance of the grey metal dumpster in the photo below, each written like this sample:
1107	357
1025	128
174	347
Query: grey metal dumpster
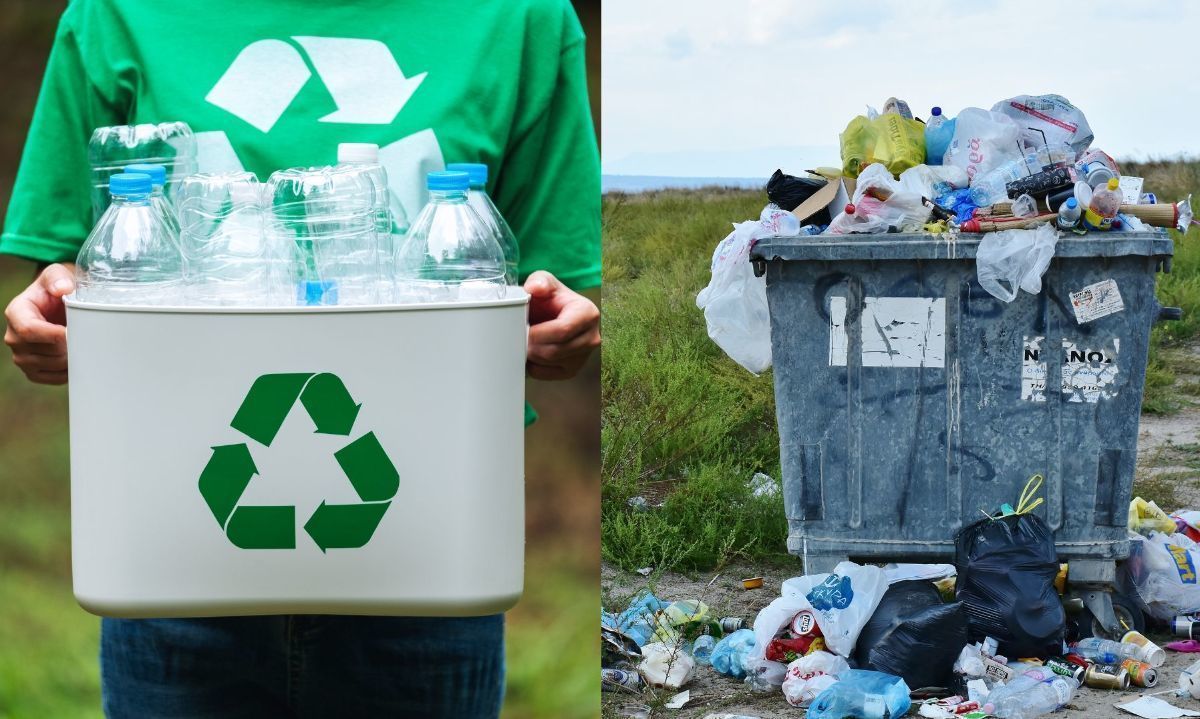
910	401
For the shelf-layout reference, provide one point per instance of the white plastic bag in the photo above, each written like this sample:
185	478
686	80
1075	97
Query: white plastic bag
932	180
983	141
880	202
666	665
842	603
1163	569
810	675
735	301
1048	119
1015	259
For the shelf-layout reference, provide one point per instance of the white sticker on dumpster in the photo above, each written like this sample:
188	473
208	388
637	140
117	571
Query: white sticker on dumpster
1096	301
1089	373
895	332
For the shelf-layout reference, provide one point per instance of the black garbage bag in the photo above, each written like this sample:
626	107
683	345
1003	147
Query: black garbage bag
913	635
788	192
1006	569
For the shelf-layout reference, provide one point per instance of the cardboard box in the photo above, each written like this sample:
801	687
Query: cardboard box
834	196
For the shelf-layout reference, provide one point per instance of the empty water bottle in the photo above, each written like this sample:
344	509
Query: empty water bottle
1068	214
130	257
702	648
939	131
449	254
222	236
111	149
1104	651
1026	697
482	203
158	197
391	223
325	218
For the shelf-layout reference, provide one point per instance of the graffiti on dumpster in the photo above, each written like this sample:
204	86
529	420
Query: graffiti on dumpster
1089	374
895	331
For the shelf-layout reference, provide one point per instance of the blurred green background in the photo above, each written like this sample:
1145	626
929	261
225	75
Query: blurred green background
48	645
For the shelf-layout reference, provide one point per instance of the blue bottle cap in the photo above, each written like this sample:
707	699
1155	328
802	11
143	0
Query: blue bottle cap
157	173
935	111
1072	203
129	183
478	172
448	181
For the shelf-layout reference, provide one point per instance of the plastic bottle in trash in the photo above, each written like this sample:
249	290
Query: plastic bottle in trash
1106	202
702	649
1068	215
939	131
130	257
391	222
1104	651
1027	697
158	197
449	254
112	149
482	203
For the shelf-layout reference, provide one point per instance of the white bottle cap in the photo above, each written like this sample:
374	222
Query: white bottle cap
358	152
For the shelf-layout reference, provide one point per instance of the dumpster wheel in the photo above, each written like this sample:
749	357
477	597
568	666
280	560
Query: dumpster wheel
1129	615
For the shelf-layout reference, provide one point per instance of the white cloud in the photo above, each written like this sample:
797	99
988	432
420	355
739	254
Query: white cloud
718	78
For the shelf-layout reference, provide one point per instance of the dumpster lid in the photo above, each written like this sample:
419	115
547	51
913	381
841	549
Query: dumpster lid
963	246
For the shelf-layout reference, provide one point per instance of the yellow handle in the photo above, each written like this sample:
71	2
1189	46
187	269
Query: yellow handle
1026	504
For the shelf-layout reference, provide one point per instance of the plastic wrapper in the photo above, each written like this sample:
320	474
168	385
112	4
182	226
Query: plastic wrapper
735	301
862	694
913	635
665	665
1162	570
788	191
687	618
1013	260
841	602
638	621
983	141
1146	517
810	675
1006	570
731	653
1048	119
896	142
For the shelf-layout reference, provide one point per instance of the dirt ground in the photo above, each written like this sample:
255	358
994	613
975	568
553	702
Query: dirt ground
1168	447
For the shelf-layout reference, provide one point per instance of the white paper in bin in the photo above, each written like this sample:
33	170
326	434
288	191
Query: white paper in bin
154	390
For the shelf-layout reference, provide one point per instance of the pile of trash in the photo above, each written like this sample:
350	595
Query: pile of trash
985	637
1024	173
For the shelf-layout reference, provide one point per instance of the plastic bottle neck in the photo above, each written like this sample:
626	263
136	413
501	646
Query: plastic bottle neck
132	199
478	187
447	195
157	191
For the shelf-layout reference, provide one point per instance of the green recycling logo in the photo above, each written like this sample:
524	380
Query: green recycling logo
260	417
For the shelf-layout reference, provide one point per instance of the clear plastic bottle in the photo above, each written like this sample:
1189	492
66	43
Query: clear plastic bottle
130	257
158	195
391	222
1026	697
325	218
702	649
112	149
223	238
1103	651
449	254
1068	214
482	203
1106	202
939	131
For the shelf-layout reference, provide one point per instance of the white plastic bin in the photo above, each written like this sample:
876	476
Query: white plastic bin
155	391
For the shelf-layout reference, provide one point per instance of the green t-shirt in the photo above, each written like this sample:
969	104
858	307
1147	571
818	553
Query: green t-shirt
272	84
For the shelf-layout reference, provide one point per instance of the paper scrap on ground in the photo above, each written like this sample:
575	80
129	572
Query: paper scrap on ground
677	701
1155	708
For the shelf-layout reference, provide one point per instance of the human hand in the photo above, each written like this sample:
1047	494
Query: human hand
37	325
564	328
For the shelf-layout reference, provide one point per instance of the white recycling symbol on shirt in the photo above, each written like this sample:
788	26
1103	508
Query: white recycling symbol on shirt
361	75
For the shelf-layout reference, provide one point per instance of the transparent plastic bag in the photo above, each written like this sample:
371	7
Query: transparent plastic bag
1163	570
895	141
1015	259
810	675
932	180
983	141
1048	119
862	694
735	301
879	204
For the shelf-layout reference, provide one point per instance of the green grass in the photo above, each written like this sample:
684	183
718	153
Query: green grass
685	427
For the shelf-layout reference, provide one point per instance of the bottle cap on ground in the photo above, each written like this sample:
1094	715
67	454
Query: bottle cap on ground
130	183
157	173
358	152
448	181
478	172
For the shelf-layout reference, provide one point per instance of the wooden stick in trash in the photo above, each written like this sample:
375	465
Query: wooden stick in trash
1007	223
1158	215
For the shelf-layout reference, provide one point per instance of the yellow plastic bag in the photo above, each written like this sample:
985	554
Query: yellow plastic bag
896	142
1145	517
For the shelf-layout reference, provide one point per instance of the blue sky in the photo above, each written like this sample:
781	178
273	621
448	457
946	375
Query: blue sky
736	88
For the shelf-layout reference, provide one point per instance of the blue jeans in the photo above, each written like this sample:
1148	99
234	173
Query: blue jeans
302	666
